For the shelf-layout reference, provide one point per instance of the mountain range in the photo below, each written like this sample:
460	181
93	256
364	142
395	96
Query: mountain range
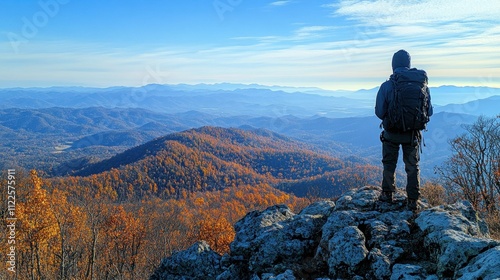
52	128
487	106
229	99
164	98
52	139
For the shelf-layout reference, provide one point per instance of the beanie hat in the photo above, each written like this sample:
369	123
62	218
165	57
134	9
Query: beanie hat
401	59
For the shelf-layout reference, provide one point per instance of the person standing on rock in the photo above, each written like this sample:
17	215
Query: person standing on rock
404	106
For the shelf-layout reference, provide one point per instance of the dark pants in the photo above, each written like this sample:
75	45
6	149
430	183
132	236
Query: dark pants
411	157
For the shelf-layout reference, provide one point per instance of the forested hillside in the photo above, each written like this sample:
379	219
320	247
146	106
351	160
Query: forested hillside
84	234
213	158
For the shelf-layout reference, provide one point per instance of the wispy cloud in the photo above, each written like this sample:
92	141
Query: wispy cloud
304	34
399	12
279	3
311	32
428	20
452	39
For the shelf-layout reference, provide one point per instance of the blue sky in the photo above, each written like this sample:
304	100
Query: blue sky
328	44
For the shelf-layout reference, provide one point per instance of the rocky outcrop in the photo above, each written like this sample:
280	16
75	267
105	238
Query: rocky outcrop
197	262
357	237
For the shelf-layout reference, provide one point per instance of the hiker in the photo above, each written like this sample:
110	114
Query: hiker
404	106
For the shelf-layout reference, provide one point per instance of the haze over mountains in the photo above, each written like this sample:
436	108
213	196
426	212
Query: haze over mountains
229	99
50	128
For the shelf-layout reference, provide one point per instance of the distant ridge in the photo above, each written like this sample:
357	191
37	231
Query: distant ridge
221	100
231	100
488	106
226	143
213	158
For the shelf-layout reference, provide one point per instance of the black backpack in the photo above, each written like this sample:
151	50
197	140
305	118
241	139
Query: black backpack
409	107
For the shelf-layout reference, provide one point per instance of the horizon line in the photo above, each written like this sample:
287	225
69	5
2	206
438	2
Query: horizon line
245	85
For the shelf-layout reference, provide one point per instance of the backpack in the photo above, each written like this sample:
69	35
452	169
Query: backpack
409	107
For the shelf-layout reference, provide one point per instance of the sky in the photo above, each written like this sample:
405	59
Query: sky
335	45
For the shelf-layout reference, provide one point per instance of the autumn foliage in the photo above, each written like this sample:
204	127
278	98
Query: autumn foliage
91	236
205	159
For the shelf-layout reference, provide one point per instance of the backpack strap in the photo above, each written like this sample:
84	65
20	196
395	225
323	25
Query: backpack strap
395	100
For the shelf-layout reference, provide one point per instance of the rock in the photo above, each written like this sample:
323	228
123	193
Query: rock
459	217
287	275
357	237
254	225
197	262
369	241
456	235
485	266
319	208
346	251
276	239
380	264
409	272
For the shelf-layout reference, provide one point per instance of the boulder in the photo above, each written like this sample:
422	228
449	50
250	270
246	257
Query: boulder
455	234
197	262
357	237
485	266
275	240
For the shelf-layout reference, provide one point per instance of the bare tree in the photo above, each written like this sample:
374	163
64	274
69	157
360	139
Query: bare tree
473	169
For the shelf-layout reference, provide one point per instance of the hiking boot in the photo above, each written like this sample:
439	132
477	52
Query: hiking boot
385	197
412	205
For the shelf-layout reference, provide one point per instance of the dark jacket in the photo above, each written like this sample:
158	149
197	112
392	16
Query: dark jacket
400	62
